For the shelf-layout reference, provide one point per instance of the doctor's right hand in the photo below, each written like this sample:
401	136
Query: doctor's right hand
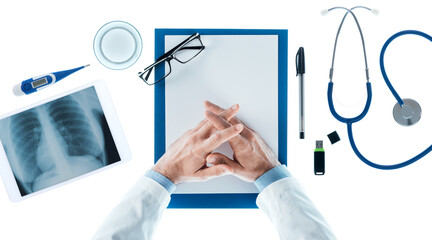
252	156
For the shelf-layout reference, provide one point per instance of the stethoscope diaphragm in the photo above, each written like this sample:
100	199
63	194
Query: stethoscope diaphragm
408	114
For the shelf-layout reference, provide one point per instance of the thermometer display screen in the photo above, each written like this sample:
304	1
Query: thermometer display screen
39	82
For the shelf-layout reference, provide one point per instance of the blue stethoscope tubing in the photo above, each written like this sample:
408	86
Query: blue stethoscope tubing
349	121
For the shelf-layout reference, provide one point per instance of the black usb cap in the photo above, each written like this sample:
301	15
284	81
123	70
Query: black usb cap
319	158
333	137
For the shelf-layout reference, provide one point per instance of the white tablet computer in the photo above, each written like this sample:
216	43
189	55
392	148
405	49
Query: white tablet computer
60	140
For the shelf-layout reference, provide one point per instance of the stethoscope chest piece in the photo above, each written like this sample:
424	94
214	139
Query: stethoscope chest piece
408	114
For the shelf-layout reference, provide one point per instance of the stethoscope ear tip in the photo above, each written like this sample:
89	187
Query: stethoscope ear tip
324	12
375	11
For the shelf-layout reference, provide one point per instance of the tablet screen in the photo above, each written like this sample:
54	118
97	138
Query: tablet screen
58	141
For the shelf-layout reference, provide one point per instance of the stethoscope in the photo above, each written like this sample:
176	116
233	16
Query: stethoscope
406	111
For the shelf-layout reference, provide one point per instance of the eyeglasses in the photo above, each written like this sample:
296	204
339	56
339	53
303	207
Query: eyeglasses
183	53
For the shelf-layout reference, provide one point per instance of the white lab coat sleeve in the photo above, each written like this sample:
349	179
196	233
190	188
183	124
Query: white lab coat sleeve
292	212
138	213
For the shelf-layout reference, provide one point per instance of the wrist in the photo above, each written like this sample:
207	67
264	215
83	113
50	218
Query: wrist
166	171
265	169
166	174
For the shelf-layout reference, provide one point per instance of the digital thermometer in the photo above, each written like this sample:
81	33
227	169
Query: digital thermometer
37	83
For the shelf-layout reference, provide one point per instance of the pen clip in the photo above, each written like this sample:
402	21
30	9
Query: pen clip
296	61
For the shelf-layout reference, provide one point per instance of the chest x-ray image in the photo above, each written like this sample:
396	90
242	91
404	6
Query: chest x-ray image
58	141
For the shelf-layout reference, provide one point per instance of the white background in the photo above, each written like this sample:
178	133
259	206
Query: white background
359	202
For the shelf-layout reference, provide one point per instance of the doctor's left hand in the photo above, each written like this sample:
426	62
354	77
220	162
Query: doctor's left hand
185	159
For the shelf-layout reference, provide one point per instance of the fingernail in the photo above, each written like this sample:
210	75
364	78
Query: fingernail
212	160
234	107
239	127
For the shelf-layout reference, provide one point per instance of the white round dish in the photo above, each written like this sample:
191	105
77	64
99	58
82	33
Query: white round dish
117	45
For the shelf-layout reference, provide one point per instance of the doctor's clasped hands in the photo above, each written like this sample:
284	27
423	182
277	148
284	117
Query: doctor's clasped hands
188	158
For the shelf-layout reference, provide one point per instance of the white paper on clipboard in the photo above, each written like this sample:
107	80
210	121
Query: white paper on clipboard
231	69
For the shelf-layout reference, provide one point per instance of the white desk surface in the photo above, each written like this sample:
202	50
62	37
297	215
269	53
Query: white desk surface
358	201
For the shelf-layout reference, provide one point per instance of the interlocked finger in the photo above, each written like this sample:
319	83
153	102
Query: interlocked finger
215	140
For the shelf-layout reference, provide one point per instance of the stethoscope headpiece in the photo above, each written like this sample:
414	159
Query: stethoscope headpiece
349	11
326	11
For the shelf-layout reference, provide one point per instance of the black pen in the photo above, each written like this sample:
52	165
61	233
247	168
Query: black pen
300	66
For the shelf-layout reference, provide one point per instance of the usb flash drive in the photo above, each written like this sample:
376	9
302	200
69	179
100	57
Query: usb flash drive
319	158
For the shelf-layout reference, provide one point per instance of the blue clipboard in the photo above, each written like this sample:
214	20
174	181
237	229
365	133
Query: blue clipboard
222	200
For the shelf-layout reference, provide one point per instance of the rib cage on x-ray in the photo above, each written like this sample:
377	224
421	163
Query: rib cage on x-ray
74	126
27	127
57	141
